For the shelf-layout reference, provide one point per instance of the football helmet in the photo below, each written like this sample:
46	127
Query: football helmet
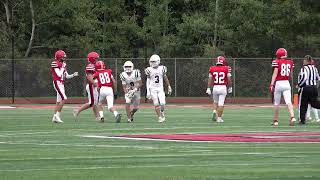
154	60
100	65
60	55
281	53
221	60
128	66
93	57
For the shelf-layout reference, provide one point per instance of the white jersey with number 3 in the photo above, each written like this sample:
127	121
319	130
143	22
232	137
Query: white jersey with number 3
156	76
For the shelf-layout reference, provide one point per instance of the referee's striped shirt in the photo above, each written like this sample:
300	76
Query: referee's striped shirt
308	76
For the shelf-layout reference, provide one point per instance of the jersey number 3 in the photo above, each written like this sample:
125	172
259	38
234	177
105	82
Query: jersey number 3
104	78
218	77
285	69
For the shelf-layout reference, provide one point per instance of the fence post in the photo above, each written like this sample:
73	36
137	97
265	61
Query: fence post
12	70
234	77
116	71
175	77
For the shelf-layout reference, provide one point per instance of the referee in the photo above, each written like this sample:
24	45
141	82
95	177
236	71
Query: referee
307	82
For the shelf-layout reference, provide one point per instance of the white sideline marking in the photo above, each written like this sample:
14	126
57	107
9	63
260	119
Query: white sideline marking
7	107
149	166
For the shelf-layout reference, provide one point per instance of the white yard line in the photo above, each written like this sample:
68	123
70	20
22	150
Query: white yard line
173	140
151	166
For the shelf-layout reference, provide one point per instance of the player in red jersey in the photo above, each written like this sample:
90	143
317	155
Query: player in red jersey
92	90
280	85
59	73
220	79
107	87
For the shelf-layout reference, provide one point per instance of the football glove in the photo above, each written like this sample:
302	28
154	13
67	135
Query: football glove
75	74
208	91
130	94
271	88
169	90
230	90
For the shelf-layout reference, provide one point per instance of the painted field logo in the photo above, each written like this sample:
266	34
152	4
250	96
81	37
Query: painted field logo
243	137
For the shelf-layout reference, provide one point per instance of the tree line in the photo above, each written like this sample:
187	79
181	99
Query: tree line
171	28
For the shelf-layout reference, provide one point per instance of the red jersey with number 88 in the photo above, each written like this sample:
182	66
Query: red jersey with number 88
284	66
219	74
104	77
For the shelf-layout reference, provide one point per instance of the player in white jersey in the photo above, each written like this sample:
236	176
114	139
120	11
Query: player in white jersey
131	84
156	74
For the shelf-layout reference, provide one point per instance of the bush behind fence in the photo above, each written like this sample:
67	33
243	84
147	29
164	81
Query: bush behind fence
188	76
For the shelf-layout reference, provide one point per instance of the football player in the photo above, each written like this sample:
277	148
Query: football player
59	73
92	91
156	74
131	84
107	87
220	79
280	85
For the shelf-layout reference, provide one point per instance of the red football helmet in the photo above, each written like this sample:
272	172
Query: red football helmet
100	65
60	55
92	57
221	60
281	53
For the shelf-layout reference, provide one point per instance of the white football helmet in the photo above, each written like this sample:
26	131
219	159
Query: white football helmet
154	60
128	66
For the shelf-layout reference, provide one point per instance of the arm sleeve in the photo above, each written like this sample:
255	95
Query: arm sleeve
68	76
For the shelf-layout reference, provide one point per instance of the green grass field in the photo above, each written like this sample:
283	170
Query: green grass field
34	148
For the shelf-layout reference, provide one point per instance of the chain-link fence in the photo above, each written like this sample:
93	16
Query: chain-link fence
29	78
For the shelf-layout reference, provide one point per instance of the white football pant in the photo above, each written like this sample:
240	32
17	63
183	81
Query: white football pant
282	88
106	93
158	96
219	93
59	87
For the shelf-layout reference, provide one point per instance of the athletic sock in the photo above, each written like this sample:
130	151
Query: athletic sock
101	113
115	113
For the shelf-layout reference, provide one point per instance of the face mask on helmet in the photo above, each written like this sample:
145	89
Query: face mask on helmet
154	60
128	66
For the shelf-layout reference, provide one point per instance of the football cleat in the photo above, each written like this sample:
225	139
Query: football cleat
118	118
275	123
309	118
161	119
100	119
220	120
292	121
56	119
317	120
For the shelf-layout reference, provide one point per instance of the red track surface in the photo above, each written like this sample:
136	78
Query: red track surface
246	137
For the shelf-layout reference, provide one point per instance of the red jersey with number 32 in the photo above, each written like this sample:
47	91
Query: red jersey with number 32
219	74
284	66
104	77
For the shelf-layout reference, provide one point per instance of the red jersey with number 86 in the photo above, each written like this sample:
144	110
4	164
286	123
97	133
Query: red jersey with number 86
104	77
284	66
219	74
